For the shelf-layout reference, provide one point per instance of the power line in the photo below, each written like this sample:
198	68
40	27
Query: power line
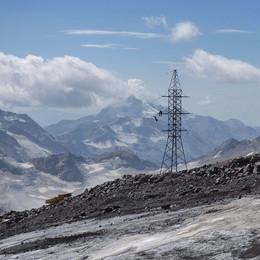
174	152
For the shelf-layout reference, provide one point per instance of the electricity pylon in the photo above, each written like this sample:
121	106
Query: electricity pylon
174	152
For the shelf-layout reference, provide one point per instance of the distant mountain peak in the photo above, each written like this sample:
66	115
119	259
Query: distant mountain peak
132	107
234	123
31	140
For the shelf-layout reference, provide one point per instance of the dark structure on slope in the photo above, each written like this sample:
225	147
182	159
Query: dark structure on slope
174	152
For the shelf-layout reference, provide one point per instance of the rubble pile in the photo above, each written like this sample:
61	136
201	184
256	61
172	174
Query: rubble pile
142	193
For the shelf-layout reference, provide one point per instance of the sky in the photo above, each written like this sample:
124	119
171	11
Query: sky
63	59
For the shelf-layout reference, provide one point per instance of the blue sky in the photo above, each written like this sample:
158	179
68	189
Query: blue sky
63	59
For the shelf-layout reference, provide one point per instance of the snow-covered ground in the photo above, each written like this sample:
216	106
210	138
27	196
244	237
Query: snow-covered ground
31	189
32	149
220	231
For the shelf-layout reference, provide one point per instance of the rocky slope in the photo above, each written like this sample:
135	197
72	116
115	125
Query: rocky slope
142	193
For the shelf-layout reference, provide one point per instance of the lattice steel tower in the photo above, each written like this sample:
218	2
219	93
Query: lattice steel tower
174	152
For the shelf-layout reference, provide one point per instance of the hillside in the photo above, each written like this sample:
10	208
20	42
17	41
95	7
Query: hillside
167	205
229	149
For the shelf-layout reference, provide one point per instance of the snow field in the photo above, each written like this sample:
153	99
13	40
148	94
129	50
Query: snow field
217	231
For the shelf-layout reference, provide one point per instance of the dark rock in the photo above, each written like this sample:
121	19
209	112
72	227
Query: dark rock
256	169
107	210
197	190
212	169
166	206
144	179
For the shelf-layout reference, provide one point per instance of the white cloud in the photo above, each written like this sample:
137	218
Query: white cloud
153	21
185	31
137	86
206	101
120	33
232	31
222	69
108	46
62	82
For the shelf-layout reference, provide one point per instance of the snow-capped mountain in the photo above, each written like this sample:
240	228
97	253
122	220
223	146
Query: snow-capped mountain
22	139
131	126
32	169
118	139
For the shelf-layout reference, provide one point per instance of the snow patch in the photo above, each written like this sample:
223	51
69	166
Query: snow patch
249	154
14	118
26	165
32	149
117	128
192	165
103	145
127	138
137	122
218	155
156	138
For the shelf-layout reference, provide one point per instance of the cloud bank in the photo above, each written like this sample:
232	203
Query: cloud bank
62	82
218	67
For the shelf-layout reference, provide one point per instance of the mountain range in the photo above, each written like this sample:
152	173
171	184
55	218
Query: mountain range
130	126
37	163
